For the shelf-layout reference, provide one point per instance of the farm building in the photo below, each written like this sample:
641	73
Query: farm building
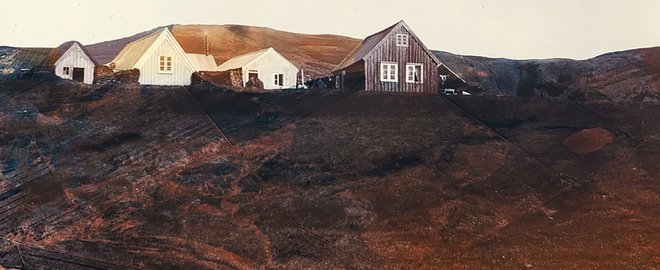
449	78
159	57
75	64
270	67
393	60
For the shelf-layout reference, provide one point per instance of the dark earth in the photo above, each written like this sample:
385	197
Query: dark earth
126	176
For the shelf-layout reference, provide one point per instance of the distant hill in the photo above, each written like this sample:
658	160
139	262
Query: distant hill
619	76
316	54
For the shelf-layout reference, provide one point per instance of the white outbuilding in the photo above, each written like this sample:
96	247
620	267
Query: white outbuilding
269	66
75	64
159	57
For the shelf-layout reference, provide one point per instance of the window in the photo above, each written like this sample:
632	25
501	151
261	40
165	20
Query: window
337	82
65	70
165	64
278	79
401	40
414	73
389	72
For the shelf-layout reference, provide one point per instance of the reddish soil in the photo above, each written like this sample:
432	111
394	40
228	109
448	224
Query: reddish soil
588	140
140	177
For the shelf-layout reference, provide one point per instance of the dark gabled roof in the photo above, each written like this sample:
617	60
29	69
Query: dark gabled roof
31	58
371	42
452	72
365	47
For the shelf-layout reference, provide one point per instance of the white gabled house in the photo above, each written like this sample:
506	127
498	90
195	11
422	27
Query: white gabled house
75	64
273	69
159	57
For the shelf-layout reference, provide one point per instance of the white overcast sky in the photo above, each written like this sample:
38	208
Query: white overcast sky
516	29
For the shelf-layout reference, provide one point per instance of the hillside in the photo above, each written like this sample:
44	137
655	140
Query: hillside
620	76
316	54
142	177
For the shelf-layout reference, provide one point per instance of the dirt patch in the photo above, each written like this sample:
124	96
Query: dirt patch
588	140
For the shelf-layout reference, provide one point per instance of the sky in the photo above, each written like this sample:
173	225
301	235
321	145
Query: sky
517	29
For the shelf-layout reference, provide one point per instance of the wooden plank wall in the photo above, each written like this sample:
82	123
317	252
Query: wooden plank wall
389	52
149	72
74	58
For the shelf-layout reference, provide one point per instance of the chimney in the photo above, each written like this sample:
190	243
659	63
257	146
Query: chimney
206	41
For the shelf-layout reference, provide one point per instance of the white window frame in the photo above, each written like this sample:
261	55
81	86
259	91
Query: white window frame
276	79
402	40
66	71
165	64
386	73
413	66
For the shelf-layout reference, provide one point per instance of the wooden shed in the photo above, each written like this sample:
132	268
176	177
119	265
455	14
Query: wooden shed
392	60
75	64
269	66
159	57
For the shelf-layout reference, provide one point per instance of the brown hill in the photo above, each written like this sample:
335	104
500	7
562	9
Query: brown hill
133	177
316	54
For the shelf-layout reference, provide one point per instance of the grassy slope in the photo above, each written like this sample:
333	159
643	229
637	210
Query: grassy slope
142	176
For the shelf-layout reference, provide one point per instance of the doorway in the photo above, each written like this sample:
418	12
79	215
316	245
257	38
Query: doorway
78	74
253	80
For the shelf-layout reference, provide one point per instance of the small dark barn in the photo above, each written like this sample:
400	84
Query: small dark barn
392	60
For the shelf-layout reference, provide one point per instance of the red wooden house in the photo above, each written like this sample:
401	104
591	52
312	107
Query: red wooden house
392	60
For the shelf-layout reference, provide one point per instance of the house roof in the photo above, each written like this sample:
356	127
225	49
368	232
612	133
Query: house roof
452	72
359	52
242	60
246	59
371	42
67	46
132	52
17	59
202	62
136	53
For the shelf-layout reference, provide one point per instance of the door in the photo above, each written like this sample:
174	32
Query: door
253	80
79	74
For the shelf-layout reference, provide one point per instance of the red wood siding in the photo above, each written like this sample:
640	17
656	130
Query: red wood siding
387	51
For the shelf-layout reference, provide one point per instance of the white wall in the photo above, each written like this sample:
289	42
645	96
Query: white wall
149	71
269	64
74	58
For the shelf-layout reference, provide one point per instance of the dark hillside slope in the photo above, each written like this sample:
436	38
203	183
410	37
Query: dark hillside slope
170	178
620	76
